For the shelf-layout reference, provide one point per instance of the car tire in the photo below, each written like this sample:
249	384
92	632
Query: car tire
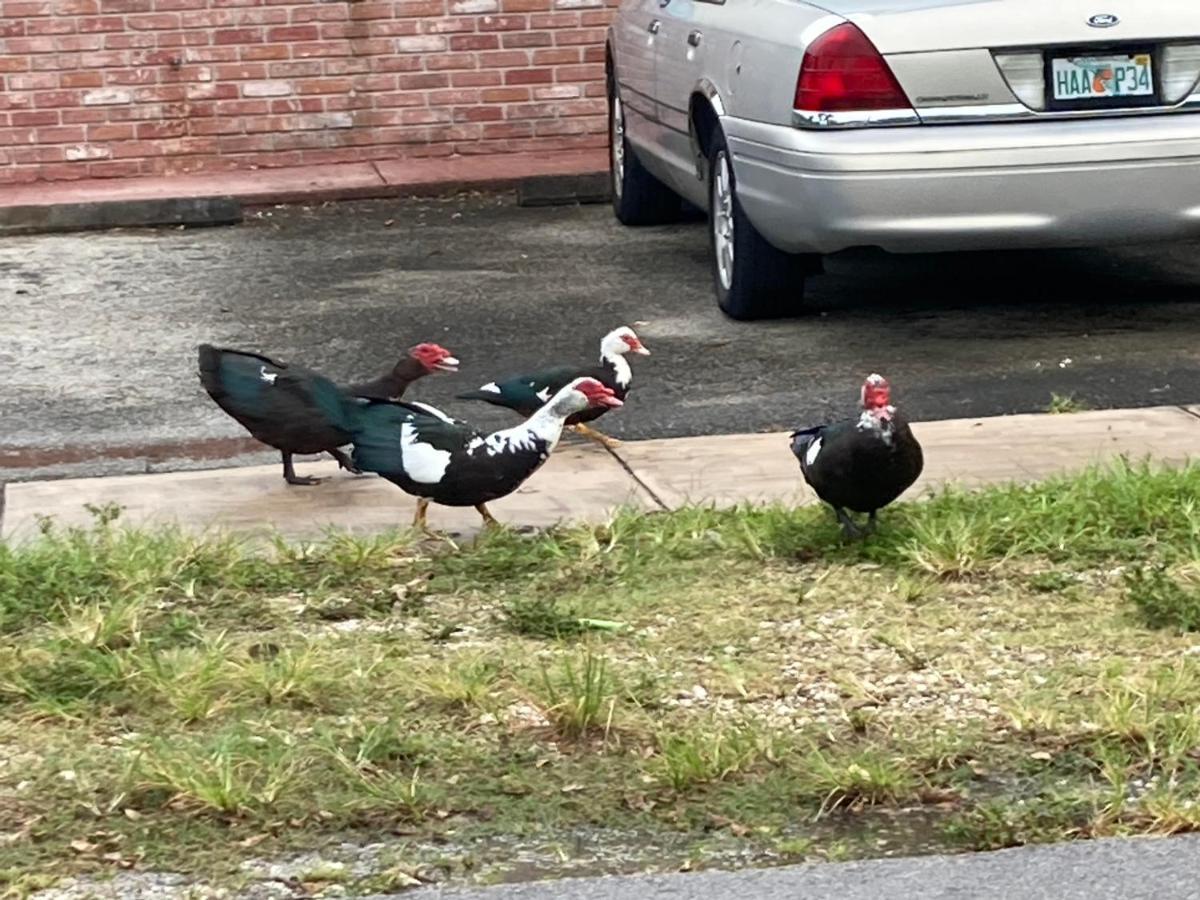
638	198
753	279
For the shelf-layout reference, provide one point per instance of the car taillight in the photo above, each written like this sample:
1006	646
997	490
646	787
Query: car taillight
1181	71
844	72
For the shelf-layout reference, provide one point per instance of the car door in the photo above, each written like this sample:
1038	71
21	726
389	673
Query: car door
635	34
689	46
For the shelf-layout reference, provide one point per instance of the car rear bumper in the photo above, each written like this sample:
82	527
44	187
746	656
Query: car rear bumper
971	187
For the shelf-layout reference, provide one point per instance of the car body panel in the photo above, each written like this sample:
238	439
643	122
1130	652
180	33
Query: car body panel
978	169
971	187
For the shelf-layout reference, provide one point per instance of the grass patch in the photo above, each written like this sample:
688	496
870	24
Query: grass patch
1163	601
993	668
1064	404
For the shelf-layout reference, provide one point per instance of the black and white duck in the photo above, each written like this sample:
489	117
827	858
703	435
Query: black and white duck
525	393
297	410
439	459
861	464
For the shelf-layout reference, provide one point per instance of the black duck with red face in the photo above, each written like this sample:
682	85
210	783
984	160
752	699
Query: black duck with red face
297	410
862	464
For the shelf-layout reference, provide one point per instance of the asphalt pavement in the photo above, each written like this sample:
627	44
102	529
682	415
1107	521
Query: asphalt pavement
1139	869
101	328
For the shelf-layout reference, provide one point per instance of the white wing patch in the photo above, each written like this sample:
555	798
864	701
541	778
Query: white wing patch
490	388
268	377
624	374
422	463
543	394
814	450
432	411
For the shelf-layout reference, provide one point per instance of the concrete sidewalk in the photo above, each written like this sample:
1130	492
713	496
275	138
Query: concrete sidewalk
216	198
586	483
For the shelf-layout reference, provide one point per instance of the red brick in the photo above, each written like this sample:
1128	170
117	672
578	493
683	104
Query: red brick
130	40
148	131
321	48
37	26
589	72
293	33
34	117
487	78
238	36
479	114
110	132
264	51
528	76
56	99
89	116
475	41
528	39
443	61
17	8
505	95
153	22
131	76
556	56
113	169
34	81
503	23
60	134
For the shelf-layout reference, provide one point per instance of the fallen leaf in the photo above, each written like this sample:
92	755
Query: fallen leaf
81	846
253	841
572	788
1041	755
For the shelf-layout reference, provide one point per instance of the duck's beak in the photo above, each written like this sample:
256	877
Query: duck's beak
446	364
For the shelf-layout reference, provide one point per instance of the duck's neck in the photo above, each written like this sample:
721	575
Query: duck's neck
544	427
622	374
391	386
879	422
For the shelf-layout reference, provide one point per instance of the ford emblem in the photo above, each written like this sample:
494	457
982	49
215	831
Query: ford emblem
1104	20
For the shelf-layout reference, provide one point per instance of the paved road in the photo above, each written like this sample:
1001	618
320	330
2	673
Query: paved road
100	329
1164	869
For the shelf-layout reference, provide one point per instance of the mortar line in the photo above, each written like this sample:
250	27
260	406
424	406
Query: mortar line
637	479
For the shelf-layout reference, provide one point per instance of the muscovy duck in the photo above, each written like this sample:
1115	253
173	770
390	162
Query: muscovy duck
861	464
296	410
442	460
526	393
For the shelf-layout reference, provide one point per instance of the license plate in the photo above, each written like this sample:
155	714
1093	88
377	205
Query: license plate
1102	77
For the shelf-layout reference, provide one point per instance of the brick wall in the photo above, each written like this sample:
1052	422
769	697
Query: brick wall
94	88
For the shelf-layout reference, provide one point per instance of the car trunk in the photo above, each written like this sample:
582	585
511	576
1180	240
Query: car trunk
1071	57
916	26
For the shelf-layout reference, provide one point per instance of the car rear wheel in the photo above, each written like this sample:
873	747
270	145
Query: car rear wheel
753	279
638	198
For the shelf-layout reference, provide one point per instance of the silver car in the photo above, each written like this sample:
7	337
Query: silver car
807	128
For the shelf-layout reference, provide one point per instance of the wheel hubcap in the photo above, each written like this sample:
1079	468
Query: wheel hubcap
722	219
617	142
